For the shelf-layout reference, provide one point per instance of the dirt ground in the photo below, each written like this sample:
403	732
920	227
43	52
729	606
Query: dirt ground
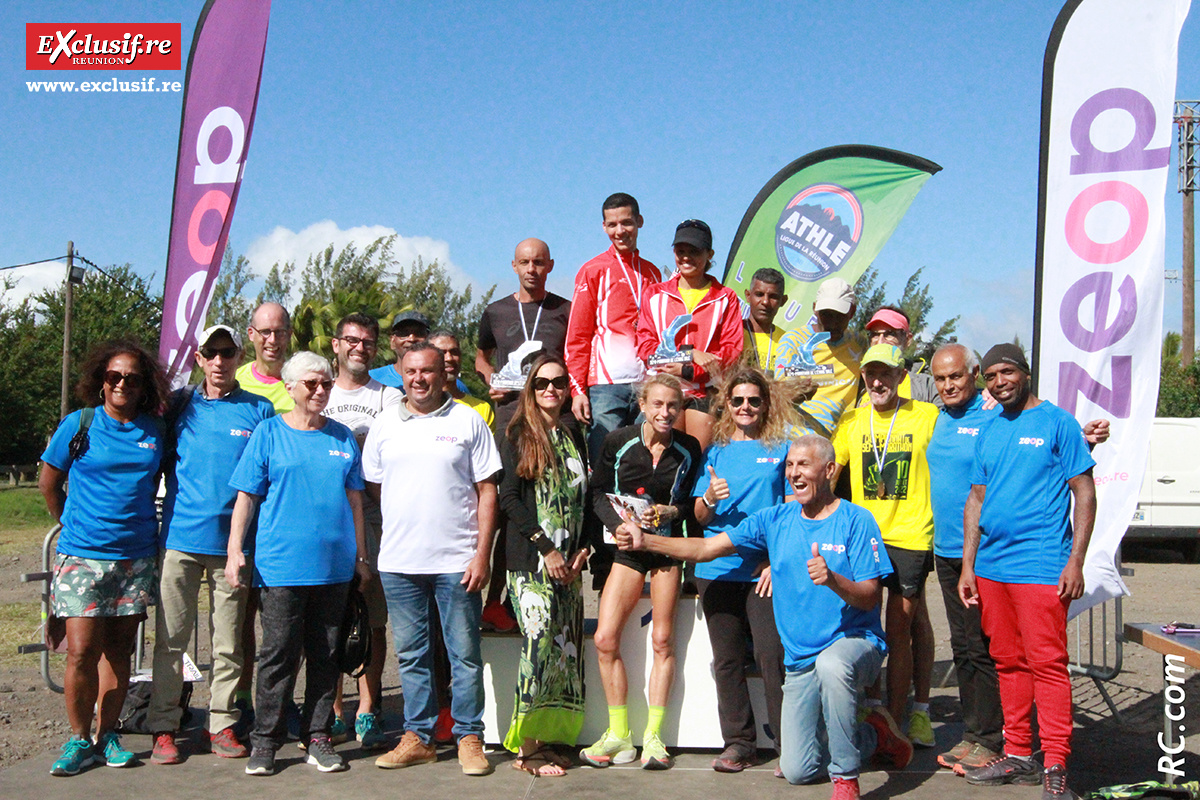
33	720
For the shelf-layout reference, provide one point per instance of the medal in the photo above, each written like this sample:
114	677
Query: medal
880	489
880	458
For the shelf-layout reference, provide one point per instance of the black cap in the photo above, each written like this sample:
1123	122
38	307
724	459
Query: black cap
410	316
1006	353
693	232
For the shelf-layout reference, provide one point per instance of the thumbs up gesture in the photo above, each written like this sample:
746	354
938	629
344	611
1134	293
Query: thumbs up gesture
718	488
818	570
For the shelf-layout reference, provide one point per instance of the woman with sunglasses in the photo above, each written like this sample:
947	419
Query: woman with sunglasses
655	463
305	472
544	495
744	473
104	570
707	343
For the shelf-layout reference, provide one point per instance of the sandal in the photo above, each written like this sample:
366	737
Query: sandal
535	763
554	757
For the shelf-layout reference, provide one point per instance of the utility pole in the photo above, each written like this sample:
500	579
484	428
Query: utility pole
1186	112
68	286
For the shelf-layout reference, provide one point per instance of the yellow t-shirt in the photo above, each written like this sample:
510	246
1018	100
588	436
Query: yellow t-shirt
835	374
905	514
271	388
692	297
762	349
481	407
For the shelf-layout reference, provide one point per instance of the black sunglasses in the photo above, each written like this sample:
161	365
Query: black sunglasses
133	380
540	384
737	400
312	383
224	352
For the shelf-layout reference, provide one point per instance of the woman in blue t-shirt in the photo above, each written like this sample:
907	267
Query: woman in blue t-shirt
743	473
104	570
306	472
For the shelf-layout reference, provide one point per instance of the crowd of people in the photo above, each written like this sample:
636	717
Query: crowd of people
640	426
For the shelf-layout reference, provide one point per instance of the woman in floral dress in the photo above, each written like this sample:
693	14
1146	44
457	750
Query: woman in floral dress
544	496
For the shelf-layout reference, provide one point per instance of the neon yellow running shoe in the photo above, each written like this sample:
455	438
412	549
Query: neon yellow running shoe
609	749
654	753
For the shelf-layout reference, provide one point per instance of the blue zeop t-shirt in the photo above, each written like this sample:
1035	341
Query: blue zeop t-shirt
811	617
210	437
109	514
305	531
1025	462
755	476
950	455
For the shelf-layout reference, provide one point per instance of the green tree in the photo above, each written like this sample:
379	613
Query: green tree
916	301
1179	386
230	305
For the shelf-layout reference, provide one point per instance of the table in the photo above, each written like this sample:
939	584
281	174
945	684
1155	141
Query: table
1177	650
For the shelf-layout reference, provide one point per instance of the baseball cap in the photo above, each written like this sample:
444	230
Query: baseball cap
695	233
888	318
213	330
834	295
887	354
410	316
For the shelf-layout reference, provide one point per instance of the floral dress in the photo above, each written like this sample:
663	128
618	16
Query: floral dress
549	705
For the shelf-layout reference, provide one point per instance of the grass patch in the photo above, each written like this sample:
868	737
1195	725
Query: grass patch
20	623
25	521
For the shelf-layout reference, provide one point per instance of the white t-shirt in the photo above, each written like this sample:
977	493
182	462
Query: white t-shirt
427	467
358	408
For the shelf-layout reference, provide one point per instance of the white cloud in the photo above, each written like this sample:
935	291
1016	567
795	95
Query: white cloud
34	278
282	245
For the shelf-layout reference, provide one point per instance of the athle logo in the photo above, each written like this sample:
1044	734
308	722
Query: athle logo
102	45
818	230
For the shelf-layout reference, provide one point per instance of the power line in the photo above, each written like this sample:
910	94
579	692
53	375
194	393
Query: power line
31	263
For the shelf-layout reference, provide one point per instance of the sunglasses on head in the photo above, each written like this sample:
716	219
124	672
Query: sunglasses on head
223	352
737	400
541	384
133	380
312	383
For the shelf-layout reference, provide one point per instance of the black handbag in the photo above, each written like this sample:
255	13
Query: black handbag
354	638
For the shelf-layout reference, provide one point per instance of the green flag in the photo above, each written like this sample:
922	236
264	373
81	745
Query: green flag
827	213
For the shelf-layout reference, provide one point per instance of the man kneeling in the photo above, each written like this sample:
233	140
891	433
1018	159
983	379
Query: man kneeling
826	564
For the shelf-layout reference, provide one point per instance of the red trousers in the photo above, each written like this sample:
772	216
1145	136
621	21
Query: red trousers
1027	625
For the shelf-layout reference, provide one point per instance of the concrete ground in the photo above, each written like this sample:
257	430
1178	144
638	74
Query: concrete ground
1106	751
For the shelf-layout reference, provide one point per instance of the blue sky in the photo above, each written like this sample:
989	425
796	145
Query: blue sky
466	127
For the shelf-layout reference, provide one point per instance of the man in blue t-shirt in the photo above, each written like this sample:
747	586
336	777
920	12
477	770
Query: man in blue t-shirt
1023	565
210	426
827	558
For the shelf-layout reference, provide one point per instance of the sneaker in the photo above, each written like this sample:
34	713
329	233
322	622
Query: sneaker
608	749
1054	784
165	750
224	743
1006	769
732	759
262	762
368	732
339	731
443	729
844	788
77	753
410	751
954	754
890	745
654	753
920	729
109	744
496	618
977	757
471	757
322	755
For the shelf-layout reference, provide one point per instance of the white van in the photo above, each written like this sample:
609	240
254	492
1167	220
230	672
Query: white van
1169	504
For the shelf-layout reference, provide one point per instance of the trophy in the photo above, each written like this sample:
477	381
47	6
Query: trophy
511	377
667	352
804	365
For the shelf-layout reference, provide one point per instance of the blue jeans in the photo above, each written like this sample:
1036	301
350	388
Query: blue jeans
409	599
614	405
820	703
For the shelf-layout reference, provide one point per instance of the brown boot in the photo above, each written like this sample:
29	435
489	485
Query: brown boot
471	757
409	752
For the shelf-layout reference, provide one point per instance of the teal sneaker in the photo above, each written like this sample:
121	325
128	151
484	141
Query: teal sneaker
654	753
338	731
609	749
370	734
77	754
109	746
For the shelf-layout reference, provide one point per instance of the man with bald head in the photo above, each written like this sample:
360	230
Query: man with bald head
514	327
270	332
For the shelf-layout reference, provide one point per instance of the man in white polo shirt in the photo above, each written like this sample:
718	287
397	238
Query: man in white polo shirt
434	463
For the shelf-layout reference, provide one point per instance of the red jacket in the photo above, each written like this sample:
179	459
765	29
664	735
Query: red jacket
715	327
601	345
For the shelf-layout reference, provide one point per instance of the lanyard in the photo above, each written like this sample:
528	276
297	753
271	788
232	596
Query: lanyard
880	488
637	261
537	318
770	348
